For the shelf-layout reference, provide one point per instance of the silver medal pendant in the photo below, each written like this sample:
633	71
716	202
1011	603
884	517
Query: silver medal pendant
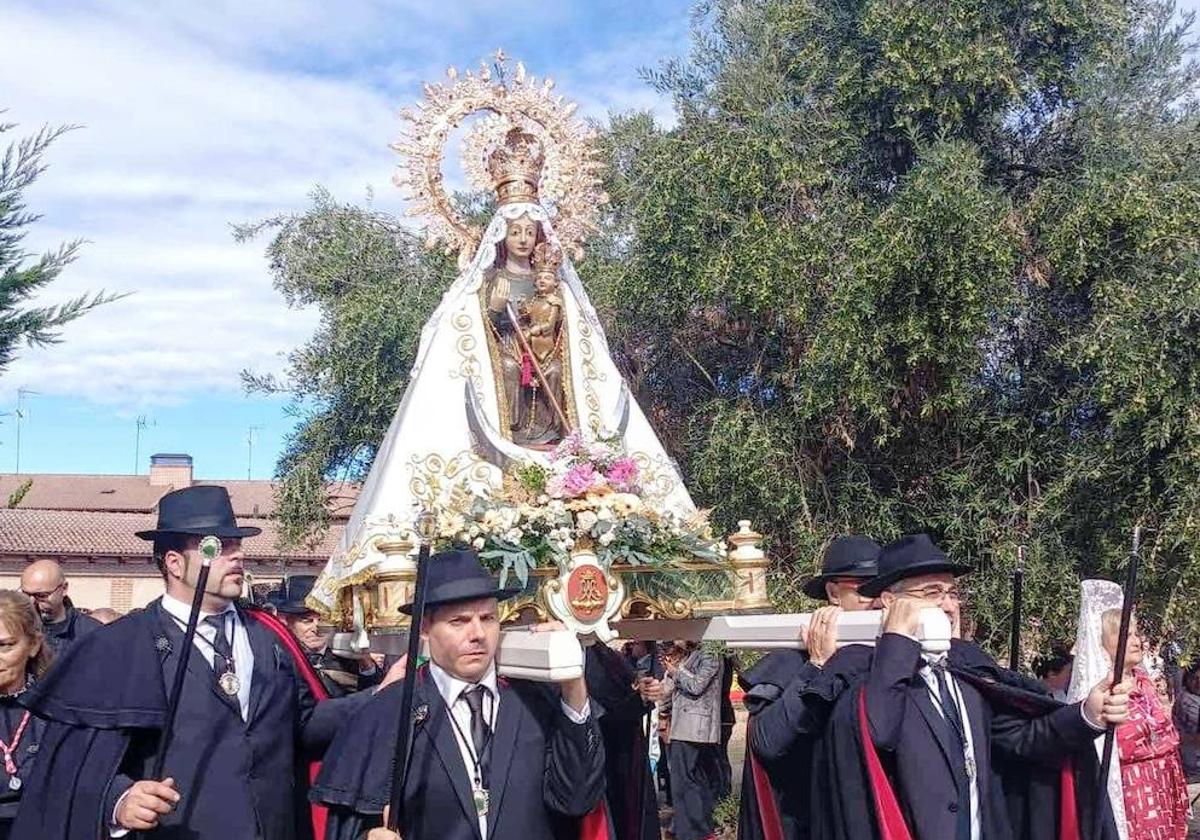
481	797
229	683
14	782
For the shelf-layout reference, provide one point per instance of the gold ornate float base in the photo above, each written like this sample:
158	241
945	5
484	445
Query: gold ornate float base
582	594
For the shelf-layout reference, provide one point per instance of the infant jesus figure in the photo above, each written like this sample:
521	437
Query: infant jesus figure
543	312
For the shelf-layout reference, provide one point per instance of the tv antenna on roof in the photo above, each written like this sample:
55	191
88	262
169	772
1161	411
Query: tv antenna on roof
22	393
250	449
141	423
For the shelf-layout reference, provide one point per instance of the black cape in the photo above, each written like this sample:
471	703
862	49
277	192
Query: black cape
91	721
356	774
1032	791
792	782
763	683
843	801
632	804
90	716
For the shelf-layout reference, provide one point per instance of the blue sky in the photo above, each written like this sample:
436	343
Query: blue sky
198	115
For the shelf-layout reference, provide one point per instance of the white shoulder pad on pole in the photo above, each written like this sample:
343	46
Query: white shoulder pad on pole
552	656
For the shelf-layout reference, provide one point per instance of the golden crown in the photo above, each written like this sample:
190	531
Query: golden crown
516	167
546	258
561	169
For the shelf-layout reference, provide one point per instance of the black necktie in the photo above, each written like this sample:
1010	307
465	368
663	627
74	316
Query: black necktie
949	706
958	750
480	731
221	646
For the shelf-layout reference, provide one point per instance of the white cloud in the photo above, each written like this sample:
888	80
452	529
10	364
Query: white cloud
199	115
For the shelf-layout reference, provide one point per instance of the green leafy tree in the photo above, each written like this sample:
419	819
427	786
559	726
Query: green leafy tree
906	266
21	274
375	285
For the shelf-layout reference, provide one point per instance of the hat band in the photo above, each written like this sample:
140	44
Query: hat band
463	590
197	522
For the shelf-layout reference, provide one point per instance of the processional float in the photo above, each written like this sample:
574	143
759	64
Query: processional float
518	436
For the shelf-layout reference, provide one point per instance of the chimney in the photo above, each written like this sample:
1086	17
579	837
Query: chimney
171	471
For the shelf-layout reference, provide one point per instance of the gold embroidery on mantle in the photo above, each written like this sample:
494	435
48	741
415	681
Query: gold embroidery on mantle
587	364
433	477
466	345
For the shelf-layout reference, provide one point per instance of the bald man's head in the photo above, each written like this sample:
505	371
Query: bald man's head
105	615
43	581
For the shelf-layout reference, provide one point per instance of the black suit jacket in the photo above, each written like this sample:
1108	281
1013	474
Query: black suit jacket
238	779
907	727
546	771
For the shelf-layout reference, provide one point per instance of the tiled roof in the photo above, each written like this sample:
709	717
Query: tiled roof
135	493
111	534
83	492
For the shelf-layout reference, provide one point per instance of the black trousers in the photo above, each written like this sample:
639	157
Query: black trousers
663	770
695	780
726	769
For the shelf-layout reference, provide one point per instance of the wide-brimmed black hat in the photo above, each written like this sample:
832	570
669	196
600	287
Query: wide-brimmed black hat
909	557
289	597
848	556
198	511
458	576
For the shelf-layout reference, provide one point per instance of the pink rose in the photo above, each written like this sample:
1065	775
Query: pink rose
554	487
566	447
623	474
579	479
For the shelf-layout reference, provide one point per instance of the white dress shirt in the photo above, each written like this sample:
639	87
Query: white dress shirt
452	689
235	632
927	675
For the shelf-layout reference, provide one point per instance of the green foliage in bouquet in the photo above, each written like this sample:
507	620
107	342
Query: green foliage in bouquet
590	497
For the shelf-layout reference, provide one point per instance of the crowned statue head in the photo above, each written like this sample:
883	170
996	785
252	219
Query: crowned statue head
524	141
516	167
546	259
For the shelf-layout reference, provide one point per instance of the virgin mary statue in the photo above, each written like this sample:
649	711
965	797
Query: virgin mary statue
512	360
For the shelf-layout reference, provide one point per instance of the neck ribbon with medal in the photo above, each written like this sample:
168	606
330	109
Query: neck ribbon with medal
10	749
228	680
968	759
480	795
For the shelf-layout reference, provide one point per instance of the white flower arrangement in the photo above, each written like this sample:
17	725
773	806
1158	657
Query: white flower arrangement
591	497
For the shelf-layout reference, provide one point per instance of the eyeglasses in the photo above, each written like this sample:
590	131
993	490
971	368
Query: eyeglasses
848	581
934	594
43	596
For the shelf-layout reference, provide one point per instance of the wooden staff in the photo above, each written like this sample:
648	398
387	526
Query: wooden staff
537	369
1018	591
404	732
1118	672
210	548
